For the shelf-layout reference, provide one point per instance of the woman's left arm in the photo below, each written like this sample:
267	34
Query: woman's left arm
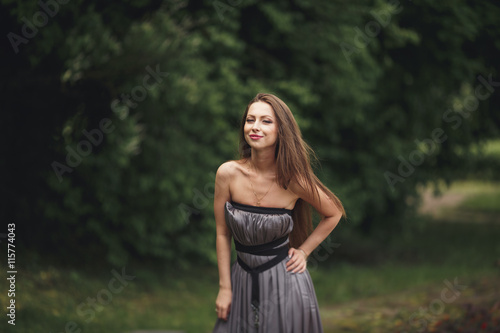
331	217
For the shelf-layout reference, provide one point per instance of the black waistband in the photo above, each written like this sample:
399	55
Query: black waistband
267	249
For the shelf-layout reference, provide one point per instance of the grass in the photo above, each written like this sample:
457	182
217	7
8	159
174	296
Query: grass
396	279
49	298
483	202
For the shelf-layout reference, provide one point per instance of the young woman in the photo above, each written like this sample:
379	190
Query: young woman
263	201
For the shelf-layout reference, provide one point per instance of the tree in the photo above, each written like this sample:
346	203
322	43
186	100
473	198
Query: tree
122	112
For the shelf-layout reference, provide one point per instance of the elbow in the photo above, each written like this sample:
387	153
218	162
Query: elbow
333	221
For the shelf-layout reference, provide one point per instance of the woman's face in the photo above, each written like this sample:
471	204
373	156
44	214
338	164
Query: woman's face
261	126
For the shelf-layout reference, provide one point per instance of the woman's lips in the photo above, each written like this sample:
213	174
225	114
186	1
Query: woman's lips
255	137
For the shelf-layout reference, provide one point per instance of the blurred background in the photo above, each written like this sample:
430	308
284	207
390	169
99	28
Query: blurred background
117	114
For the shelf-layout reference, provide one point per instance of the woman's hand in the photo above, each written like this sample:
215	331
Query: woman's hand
223	303
297	262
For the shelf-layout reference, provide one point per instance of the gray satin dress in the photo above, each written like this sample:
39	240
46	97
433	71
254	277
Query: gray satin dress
288	302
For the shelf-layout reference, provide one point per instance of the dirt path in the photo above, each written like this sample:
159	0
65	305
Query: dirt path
432	205
446	207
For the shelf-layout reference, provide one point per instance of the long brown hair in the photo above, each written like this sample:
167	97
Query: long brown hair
293	161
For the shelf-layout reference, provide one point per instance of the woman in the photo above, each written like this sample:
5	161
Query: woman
262	201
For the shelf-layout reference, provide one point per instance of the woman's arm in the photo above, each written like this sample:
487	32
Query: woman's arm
331	217
223	240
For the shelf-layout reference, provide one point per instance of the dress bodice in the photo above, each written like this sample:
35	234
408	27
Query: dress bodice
252	225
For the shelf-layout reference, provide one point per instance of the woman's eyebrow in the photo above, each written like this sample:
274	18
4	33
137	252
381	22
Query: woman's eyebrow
266	115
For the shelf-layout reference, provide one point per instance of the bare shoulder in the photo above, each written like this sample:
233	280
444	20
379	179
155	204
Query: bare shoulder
226	168
229	169
312	193
316	196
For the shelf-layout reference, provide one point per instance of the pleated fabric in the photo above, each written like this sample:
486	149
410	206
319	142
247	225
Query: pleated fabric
288	302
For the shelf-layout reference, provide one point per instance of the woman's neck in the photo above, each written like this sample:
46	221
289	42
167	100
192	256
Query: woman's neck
263	161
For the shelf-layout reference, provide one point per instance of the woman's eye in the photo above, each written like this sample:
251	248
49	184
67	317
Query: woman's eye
268	121
249	120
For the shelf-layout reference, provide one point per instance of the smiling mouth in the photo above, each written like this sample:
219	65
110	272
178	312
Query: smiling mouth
255	137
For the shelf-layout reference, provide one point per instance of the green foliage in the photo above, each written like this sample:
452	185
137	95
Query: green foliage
362	92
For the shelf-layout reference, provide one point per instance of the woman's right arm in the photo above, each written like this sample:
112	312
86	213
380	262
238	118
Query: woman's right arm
223	241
